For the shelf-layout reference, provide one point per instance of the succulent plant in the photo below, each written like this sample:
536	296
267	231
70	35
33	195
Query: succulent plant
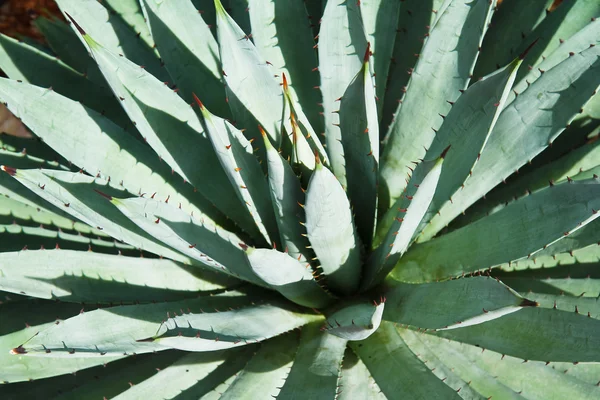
302	199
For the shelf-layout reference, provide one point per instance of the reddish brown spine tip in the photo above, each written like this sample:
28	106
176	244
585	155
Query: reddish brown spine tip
18	350
79	28
103	194
529	303
317	158
285	82
367	53
9	170
524	54
262	131
198	101
443	155
244	246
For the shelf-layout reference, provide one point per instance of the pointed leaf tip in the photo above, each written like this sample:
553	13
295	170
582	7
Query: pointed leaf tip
9	170
103	194
529	303
524	53
79	28
285	82
198	101
443	155
367	53
262	131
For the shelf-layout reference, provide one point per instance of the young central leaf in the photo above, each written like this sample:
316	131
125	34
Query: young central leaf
331	231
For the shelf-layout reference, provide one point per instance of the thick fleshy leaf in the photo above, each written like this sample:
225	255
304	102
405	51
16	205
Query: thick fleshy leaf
518	231
80	276
526	127
452	304
282	35
290	277
131	13
536	334
342	43
331	231
248	76
360	140
397	370
355	321
441	73
356	381
237	159
189	51
401	222
317	365
261	378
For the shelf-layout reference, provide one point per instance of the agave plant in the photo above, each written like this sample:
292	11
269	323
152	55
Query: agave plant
303	199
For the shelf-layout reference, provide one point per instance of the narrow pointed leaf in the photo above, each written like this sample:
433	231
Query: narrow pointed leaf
441	73
131	13
342	43
355	321
360	140
316	367
517	231
331	231
290	277
356	381
248	75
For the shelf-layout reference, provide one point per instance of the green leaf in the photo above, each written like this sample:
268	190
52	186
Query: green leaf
517	231
290	277
235	154
441	73
331	231
189	51
502	376
75	194
78	276
452	304
355	320
113	33
342	43
356	381
401	222
287	197
248	76
536	334
131	13
317	366
282	35
525	128
589	306
467	128
360	140
261	378
397	370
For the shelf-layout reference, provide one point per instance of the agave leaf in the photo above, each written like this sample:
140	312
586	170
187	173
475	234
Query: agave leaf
360	140
261	378
316	367
452	304
194	374
536	334
287	197
510	28
131	13
517	231
331	231
113	33
526	127
441	73
189	51
356	381
235	153
78	276
227	329
589	306
342	42
380	17
288	276
414	21
20	367
467	128
248	76
355	320
314	9
400	223
397	370
437	367
291	53
560	24
497	375
196	236
20	61
75	194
